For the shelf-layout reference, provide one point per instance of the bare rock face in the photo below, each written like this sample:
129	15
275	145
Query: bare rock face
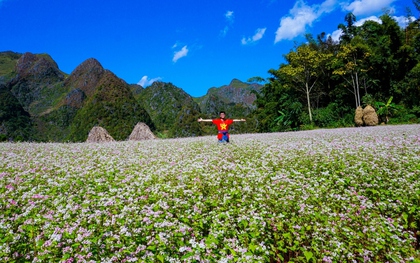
99	135
75	98
33	73
358	117
370	118
41	67
141	132
86	76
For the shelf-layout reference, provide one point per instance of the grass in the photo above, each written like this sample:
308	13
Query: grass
341	195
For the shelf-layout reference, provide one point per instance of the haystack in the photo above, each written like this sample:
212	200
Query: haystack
358	116
99	134
141	132
370	118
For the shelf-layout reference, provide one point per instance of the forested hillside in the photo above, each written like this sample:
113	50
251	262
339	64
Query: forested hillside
324	81
41	103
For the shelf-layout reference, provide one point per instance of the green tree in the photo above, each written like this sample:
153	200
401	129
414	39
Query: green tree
385	110
349	30
349	64
304	69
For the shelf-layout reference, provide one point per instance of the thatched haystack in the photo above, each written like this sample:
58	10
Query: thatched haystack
358	116
370	118
99	134
141	132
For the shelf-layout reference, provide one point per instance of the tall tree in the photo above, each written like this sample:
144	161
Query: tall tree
349	30
304	70
349	63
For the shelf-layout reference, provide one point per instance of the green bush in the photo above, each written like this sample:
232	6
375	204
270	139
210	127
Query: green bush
3	137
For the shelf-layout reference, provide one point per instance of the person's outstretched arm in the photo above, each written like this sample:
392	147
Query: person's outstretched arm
239	120
201	119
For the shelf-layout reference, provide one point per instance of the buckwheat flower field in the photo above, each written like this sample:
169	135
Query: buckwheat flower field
342	195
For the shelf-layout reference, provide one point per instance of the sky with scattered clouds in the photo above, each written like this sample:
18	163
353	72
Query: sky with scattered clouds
193	44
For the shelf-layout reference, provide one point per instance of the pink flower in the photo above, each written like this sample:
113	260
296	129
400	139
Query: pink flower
38	196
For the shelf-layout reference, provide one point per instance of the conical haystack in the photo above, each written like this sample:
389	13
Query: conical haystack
358	116
370	118
99	134
141	132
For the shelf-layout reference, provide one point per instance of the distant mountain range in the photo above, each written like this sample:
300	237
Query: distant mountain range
39	102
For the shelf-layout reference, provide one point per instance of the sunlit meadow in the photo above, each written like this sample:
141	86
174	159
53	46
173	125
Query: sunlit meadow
342	195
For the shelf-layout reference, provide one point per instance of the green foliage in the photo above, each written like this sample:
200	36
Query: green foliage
410	87
172	110
15	122
49	97
55	126
333	116
372	62
385	110
7	65
187	124
406	116
112	107
235	99
289	118
305	68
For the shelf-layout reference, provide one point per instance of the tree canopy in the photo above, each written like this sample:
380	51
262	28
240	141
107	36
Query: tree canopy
323	81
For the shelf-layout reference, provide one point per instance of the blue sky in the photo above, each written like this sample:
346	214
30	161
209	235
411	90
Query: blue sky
193	44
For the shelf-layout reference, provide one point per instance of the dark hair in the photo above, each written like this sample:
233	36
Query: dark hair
222	112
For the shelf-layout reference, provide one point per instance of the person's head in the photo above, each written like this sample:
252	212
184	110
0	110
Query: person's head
222	115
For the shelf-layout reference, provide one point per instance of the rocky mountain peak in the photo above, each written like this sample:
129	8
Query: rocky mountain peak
86	76
40	67
25	62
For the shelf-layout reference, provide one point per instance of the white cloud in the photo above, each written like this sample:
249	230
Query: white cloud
179	54
402	20
291	26
371	18
336	34
257	36
366	7
327	6
145	81
224	31
229	16
301	16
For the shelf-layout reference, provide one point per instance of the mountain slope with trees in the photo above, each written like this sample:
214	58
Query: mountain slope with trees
54	106
237	99
173	111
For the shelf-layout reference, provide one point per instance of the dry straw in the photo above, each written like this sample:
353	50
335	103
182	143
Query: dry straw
99	134
370	118
141	132
358	117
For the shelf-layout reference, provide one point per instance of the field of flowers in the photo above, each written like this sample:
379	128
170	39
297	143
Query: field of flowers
342	195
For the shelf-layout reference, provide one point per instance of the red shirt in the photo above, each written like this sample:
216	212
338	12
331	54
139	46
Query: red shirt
222	126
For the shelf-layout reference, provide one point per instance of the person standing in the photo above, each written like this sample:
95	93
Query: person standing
222	125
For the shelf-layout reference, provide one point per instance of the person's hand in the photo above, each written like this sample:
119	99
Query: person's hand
200	119
243	120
